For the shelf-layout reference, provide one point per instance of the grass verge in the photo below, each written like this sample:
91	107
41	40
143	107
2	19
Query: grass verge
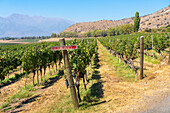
151	60
12	78
122	70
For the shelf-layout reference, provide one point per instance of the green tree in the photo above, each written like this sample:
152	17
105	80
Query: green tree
136	22
111	31
98	33
88	34
93	33
53	35
69	34
128	28
121	31
117	30
103	33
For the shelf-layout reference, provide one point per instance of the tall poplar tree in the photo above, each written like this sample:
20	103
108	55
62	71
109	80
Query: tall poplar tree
136	22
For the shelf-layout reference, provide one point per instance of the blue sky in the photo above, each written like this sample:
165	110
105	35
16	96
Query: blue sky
82	10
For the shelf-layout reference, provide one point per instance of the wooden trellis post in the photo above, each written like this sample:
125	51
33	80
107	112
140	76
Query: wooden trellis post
141	57
67	68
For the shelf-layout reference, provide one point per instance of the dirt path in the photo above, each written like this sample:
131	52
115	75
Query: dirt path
134	97
162	107
112	92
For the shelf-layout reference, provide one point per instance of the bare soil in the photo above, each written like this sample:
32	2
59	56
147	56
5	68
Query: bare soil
117	95
12	41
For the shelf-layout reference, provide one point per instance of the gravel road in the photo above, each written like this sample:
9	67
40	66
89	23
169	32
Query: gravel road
162	107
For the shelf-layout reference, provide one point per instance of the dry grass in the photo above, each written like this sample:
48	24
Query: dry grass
17	87
12	41
109	90
131	95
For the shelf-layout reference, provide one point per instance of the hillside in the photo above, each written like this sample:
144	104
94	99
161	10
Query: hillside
18	25
158	19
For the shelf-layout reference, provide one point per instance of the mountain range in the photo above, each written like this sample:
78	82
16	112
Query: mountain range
158	19
18	25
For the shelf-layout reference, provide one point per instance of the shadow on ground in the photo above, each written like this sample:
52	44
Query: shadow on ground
53	80
32	99
16	78
95	92
96	60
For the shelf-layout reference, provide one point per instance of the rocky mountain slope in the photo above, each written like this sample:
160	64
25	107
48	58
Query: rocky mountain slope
158	19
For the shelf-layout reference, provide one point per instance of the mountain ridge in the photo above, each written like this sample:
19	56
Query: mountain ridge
19	25
155	20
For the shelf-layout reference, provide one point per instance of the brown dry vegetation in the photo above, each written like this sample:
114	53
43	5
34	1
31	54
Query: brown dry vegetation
112	88
156	20
12	41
